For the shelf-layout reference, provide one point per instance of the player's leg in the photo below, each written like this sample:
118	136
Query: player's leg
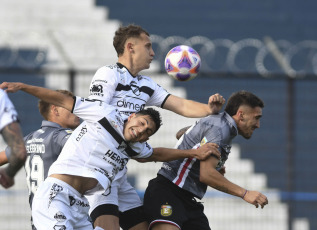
132	215
56	205
164	205
196	216
104	210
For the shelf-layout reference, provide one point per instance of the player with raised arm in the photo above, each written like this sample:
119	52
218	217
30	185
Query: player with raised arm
95	152
45	144
122	86
170	198
12	135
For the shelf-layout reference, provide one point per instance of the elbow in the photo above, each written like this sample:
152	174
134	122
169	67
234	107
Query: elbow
21	154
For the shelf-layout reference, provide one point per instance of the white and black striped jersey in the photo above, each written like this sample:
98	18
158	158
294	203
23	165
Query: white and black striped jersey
8	114
115	85
43	146
219	129
97	148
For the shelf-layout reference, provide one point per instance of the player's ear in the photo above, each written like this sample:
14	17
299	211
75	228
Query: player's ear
131	116
130	46
241	115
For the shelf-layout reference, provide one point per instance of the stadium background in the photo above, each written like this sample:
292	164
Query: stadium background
266	47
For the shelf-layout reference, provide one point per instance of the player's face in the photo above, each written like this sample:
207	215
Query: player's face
143	52
139	128
250	120
68	119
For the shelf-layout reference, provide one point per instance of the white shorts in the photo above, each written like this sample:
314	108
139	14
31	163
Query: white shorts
121	194
57	205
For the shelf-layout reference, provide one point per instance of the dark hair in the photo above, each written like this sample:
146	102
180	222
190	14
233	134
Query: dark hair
155	116
242	98
124	33
44	107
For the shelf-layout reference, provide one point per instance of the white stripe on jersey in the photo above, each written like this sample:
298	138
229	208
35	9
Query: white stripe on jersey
183	171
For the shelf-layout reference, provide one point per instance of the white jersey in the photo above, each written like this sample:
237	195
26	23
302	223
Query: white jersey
8	114
97	148
115	85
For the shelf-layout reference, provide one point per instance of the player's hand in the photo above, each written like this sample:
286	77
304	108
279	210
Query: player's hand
11	87
215	103
204	151
5	180
256	198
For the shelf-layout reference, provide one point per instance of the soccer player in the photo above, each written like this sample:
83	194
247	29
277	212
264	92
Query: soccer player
45	144
122	86
170	199
12	135
97	149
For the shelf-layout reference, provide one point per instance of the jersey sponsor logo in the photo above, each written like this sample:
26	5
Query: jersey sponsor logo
166	210
115	160
81	133
59	227
55	189
165	166
97	89
60	217
73	201
130	105
106	173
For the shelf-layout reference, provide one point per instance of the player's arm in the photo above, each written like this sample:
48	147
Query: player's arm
181	132
3	158
189	108
12	135
168	154
211	177
47	95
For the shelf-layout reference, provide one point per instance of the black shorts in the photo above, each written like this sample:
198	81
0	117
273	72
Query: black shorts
165	202
127	219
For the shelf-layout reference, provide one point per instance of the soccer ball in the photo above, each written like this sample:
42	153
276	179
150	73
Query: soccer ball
182	63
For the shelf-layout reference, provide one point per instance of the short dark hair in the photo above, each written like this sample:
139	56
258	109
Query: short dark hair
44	107
155	116
242	98
124	33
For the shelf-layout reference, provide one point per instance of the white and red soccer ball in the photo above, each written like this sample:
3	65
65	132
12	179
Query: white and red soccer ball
182	63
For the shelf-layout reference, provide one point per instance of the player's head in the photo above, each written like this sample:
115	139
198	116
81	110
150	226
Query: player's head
141	125
246	110
58	114
133	42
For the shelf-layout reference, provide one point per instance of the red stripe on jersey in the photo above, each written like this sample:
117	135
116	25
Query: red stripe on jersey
180	177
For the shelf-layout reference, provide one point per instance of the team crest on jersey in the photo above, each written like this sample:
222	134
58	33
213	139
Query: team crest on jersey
203	141
166	210
135	88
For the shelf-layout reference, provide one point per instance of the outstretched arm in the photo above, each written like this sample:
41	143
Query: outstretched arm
47	95
167	154
3	158
189	108
211	177
12	135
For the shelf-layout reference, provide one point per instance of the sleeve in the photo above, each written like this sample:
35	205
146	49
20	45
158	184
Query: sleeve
60	137
89	109
103	84
145	150
8	114
159	95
